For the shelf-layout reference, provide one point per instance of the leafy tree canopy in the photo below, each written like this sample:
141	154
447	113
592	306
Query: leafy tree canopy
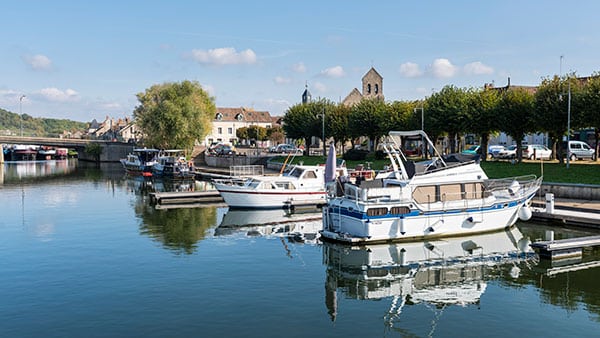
174	115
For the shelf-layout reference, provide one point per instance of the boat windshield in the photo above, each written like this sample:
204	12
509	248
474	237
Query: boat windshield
252	183
296	172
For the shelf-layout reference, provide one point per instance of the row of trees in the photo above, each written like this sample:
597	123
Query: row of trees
454	112
37	126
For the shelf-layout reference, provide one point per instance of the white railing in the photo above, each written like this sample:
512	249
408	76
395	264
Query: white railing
246	170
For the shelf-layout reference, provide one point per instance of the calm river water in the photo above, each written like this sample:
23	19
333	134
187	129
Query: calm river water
84	254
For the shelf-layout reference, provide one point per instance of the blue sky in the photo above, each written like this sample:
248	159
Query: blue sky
88	59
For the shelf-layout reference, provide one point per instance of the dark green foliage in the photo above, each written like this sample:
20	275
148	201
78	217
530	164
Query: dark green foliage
356	155
33	126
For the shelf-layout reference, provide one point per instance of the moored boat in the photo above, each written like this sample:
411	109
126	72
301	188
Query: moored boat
171	164
445	196
140	161
302	184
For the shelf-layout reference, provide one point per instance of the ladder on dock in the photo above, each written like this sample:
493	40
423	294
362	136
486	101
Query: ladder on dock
564	248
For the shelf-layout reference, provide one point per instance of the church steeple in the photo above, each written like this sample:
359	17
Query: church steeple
306	97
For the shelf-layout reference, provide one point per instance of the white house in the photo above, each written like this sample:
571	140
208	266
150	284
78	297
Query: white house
227	120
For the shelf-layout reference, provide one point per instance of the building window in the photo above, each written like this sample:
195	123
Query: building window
239	117
376	88
219	130
369	88
219	116
230	130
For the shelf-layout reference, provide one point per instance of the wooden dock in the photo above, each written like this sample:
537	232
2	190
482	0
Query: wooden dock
564	248
199	198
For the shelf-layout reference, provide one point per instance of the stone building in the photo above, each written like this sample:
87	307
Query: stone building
372	87
227	120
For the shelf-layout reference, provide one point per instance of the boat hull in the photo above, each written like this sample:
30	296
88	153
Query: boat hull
342	224
267	199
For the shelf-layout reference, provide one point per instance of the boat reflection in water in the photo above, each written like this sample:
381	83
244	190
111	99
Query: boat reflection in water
442	272
300	227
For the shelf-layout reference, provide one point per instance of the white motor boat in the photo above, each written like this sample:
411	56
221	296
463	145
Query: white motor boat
140	161
303	184
445	196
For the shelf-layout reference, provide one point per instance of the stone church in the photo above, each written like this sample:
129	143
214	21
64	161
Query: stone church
372	87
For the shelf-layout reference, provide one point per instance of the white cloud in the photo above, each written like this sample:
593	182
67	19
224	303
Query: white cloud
111	106
318	86
38	62
478	68
57	95
336	71
282	80
209	89
224	56
443	68
410	69
299	67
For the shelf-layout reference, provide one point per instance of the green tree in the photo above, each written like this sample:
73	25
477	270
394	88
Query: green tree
174	115
275	135
482	111
516	115
590	106
551	103
448	112
369	117
337	121
305	120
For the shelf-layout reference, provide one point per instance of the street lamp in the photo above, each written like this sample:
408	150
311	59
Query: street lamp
21	112
568	122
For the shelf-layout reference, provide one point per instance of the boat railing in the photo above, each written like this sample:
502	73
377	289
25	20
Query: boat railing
518	186
246	170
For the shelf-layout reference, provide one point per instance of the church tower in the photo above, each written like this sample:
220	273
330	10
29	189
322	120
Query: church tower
306	97
372	85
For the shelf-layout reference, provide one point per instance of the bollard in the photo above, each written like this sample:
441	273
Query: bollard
549	203
549	235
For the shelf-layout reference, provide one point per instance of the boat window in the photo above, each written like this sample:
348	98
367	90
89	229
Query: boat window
424	194
473	190
450	192
296	172
399	210
310	174
252	183
377	211
284	185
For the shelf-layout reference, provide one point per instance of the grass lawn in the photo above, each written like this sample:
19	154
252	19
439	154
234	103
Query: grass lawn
583	172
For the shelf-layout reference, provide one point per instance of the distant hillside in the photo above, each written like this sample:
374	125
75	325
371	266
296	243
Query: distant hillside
37	126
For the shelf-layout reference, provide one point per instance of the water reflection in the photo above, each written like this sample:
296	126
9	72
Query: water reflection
441	273
16	171
299	227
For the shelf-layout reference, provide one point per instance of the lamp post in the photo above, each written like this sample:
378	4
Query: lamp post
21	112
568	125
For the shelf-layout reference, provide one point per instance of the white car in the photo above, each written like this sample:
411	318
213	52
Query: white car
508	152
536	152
494	150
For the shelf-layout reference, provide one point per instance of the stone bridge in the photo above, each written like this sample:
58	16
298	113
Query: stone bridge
111	151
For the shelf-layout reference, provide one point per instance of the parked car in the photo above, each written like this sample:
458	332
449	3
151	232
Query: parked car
579	150
223	149
493	150
536	152
285	149
472	150
508	152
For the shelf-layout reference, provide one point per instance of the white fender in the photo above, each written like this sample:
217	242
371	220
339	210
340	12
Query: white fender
525	213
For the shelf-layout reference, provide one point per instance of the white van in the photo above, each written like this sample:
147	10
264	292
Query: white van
581	150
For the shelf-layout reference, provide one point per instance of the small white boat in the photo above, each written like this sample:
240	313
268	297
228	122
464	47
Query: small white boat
442	272
446	196
140	161
172	164
303	185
